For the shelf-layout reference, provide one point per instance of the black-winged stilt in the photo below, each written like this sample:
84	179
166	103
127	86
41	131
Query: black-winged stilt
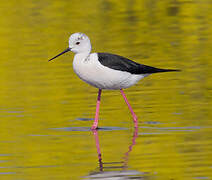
105	70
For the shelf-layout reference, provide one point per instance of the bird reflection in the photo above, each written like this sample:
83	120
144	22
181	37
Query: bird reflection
104	170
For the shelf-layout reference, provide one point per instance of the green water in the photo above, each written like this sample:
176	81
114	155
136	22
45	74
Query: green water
46	110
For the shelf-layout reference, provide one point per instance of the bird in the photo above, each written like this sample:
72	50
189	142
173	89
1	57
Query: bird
106	71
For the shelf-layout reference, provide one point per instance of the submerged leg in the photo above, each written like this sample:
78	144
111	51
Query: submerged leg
95	124
130	108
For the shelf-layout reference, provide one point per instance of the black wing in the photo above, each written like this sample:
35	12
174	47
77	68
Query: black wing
123	64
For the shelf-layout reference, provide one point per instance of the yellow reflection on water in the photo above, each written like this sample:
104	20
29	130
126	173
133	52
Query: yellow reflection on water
45	110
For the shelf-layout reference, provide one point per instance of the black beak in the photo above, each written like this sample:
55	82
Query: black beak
65	51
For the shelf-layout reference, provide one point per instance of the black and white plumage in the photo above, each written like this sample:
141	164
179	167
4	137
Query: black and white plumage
121	63
105	70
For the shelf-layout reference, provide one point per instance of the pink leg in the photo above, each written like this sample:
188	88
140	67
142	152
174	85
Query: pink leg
130	108
95	124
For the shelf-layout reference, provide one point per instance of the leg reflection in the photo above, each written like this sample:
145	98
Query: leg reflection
126	157
115	169
95	133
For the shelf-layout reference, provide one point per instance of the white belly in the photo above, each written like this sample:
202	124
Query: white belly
94	73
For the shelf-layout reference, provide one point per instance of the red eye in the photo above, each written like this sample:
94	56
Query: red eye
77	43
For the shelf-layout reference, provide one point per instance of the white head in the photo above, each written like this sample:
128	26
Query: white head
78	43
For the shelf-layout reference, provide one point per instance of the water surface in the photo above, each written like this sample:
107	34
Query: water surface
46	111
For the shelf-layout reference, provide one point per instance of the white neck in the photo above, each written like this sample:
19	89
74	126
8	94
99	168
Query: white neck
79	62
82	54
81	57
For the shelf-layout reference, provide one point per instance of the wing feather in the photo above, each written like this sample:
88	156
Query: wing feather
124	64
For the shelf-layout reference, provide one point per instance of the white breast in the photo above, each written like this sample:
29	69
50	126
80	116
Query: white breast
90	70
